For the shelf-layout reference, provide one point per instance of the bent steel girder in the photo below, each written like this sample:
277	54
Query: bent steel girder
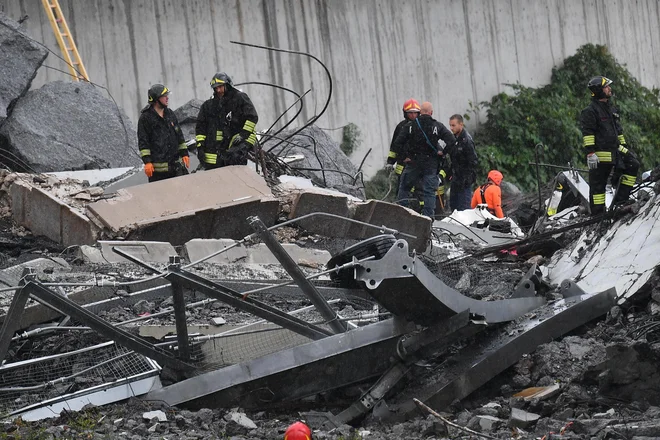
293	373
407	288
480	362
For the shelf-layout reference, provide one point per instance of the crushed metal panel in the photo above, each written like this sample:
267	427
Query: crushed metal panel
293	373
480	362
104	373
407	288
172	210
625	257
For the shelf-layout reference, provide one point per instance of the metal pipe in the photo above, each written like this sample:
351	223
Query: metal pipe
292	268
558	167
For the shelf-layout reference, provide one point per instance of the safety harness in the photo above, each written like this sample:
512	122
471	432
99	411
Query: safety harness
482	189
425	136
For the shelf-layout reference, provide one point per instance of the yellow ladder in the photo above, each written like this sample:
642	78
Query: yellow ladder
65	40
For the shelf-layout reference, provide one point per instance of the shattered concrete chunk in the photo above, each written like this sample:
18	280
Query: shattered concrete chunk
522	419
218	321
26	57
67	126
158	415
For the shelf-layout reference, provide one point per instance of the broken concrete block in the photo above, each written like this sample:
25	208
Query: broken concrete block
199	248
238	423
373	212
158	415
393	216
489	423
46	215
320	200
67	126
12	275
147	251
176	210
21	57
218	321
522	419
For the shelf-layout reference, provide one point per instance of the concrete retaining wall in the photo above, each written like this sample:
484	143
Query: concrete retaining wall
380	52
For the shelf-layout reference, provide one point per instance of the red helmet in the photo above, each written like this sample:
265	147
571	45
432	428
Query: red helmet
411	105
298	431
495	176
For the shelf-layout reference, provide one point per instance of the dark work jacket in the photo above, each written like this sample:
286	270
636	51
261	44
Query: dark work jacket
394	153
601	129
160	140
220	118
464	161
411	142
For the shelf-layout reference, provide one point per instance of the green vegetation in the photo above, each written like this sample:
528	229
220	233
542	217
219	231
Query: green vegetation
378	188
351	138
550	115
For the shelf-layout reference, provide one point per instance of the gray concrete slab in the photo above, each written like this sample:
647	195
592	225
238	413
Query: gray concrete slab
148	251
46	215
92	176
257	254
209	204
12	275
373	212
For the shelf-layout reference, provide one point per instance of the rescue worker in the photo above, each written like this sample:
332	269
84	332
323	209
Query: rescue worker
605	147
464	164
490	194
160	139
411	110
298	431
225	130
417	144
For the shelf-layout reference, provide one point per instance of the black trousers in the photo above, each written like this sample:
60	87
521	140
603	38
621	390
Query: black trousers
625	167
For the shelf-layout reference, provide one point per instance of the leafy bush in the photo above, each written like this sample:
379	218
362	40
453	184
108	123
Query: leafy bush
382	186
351	138
549	115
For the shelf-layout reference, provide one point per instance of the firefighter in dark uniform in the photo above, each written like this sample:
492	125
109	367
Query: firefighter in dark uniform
160	139
418	146
605	147
411	109
225	130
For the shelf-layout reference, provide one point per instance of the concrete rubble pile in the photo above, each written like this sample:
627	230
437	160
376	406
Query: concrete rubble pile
229	303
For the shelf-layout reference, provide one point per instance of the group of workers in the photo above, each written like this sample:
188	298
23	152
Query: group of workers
418	154
225	131
420	146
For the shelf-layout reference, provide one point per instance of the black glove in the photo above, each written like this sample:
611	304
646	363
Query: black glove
236	140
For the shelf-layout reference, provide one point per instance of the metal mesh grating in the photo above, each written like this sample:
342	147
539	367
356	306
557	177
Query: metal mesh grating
30	382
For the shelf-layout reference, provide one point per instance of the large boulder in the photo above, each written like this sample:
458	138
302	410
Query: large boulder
20	57
320	152
187	116
67	126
